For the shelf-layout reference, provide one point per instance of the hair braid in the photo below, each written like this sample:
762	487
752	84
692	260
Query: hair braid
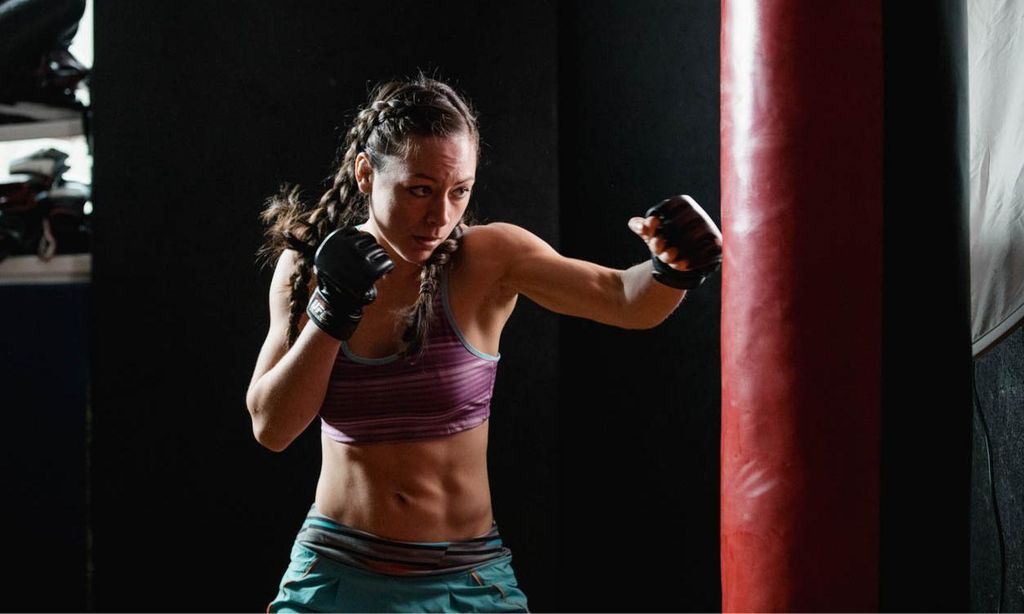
417	317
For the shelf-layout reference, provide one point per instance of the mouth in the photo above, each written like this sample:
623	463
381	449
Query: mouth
429	242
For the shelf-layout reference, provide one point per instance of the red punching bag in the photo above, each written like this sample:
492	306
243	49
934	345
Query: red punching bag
802	187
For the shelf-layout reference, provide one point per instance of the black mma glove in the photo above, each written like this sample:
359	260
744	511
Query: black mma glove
347	264
685	226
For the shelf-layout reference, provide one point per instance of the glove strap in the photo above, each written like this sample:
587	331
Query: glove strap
339	326
681	280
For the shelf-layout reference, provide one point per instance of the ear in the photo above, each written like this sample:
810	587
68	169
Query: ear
364	173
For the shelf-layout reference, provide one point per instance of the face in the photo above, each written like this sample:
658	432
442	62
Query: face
416	201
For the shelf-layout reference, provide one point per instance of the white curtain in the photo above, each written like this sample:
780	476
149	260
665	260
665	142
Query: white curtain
995	54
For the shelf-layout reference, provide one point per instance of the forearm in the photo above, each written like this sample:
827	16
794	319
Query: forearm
288	397
647	302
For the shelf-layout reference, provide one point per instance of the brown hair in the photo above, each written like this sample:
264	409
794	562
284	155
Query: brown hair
396	111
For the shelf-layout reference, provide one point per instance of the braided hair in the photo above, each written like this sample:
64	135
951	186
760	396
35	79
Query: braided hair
396	112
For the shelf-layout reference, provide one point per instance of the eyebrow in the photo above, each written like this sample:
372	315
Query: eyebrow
435	180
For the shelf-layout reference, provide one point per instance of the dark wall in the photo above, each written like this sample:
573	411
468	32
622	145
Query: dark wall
997	504
640	413
604	443
43	462
926	345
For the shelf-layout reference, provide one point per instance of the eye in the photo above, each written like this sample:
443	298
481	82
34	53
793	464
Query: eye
420	190
463	191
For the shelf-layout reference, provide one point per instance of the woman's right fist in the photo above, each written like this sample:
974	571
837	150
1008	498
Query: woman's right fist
347	264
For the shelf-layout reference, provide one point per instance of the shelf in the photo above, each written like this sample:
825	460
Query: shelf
45	122
51	122
54	129
33	270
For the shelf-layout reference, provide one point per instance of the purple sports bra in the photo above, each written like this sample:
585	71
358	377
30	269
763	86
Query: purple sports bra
448	388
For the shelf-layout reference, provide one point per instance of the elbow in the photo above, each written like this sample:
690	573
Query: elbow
645	324
273	446
648	325
268	439
263	432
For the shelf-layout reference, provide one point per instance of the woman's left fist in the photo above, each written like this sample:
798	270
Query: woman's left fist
685	244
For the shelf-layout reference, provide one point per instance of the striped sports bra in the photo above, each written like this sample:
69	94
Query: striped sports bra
446	390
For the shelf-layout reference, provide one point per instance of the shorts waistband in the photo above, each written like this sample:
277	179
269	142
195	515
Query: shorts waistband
351	546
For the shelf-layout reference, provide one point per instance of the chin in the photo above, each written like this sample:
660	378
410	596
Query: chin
418	257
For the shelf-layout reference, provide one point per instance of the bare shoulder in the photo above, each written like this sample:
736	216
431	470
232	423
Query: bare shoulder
501	242
281	288
506	247
504	232
287	262
276	343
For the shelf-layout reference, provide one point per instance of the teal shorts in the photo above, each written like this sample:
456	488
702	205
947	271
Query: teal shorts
314	582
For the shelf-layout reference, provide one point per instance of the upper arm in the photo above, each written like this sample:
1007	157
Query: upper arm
564	285
276	344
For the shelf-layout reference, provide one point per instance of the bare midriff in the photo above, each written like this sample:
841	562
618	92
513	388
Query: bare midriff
420	490
424	491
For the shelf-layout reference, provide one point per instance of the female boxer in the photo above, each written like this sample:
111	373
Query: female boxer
407	302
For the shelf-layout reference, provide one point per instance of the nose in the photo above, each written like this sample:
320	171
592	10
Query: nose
439	211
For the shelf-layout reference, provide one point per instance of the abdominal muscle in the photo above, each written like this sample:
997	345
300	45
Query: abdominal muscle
423	491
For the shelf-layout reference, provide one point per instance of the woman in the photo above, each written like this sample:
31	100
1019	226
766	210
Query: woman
408	303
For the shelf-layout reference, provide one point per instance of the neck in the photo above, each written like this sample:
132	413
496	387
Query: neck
404	273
